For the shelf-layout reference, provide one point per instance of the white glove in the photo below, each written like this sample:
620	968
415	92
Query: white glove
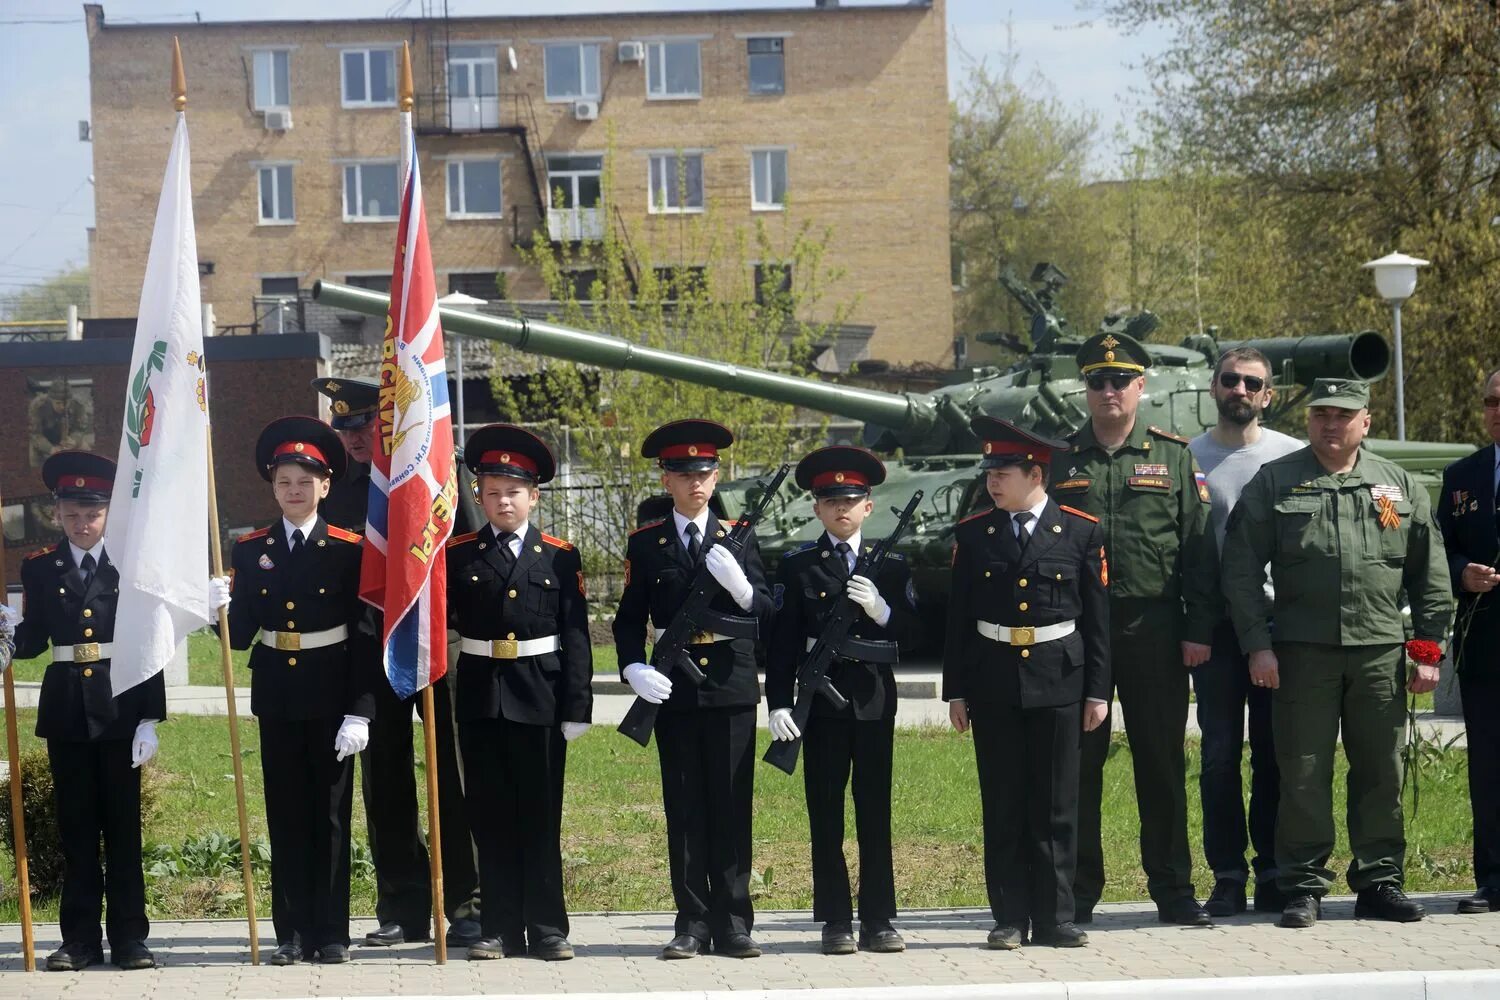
143	747
862	592
648	682
572	730
724	569
782	726
218	597
353	736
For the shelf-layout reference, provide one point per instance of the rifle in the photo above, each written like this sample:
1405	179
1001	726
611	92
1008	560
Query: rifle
812	676
695	616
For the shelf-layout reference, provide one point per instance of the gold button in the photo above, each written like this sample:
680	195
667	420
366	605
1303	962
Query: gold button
547	582
511	592
1025	654
264	592
88	671
62	590
1025	606
322	590
986	574
661	541
990	530
702	661
510	635
1059	576
88	612
822	594
291	661
291	625
88	633
1021	582
474	578
291	606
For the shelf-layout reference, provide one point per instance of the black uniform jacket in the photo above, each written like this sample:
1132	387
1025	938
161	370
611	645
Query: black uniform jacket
348	498
1060	576
76	702
658	575
316	591
1468	516
542	593
809	584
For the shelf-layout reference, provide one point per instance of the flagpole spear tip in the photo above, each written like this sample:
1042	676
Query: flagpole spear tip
179	79
408	90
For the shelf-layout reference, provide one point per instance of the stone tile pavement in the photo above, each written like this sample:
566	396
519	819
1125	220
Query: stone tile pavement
209	960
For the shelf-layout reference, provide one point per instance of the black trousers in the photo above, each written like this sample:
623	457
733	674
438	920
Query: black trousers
398	847
1481	696
831	748
1028	761
98	794
514	798
708	787
309	797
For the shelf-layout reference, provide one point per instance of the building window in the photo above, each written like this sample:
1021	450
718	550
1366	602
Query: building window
767	65
373	282
276	195
772	280
676	182
370	193
480	284
279	287
673	71
572	71
956	267
474	189
369	78
681	280
272	73
768	180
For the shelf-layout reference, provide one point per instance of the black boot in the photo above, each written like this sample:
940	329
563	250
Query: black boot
1227	899
1386	901
1300	911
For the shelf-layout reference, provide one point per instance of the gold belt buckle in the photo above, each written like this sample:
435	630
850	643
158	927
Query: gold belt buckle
289	641
504	649
1024	635
86	652
701	639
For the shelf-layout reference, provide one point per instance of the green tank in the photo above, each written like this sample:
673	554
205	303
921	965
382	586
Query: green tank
925	436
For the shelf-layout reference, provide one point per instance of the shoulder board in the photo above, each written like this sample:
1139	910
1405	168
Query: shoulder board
895	557
804	547
650	524
975	517
561	543
45	550
1167	434
260	533
344	535
729	524
1078	513
460	539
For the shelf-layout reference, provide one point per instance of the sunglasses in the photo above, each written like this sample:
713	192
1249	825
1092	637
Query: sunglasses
1492	402
1097	381
1253	383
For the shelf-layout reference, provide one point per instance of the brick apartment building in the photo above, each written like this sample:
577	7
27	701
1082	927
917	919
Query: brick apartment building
833	115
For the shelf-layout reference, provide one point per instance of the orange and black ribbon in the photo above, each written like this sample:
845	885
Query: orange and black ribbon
1388	516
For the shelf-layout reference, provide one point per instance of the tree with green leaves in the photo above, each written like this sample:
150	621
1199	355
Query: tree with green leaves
48	299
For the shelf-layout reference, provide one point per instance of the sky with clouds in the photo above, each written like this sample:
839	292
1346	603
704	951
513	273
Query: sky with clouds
46	200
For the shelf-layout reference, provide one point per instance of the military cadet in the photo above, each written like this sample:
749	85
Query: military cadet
403	890
96	742
860	735
1031	684
1469	515
705	735
1153	505
1347	534
524	687
296	598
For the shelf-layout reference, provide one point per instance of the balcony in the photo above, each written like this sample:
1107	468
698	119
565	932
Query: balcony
574	225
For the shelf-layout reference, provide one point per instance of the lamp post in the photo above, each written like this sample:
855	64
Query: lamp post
468	303
1395	280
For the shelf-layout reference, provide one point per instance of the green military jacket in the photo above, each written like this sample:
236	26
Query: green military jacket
1152	501
1339	570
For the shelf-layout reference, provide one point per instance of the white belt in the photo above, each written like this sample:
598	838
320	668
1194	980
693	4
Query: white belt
291	642
1024	635
83	652
509	649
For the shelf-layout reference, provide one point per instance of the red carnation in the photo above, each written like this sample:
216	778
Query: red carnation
1424	651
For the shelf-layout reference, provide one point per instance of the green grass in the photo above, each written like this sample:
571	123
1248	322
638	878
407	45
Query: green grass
615	834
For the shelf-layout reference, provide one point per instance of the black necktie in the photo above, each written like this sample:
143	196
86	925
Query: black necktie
842	548
87	567
1022	534
506	555
694	548
297	542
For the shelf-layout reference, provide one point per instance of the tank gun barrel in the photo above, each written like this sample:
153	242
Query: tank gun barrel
1364	355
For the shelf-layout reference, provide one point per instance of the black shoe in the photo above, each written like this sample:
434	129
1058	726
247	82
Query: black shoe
134	955
838	938
485	949
737	946
1185	912
1386	901
289	953
1485	900
882	939
333	954
386	935
1269	898
1005	937
682	946
462	933
1300	911
554	948
1064	935
74	956
1227	899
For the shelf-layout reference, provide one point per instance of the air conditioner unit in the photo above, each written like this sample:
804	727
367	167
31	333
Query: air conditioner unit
632	52
585	111
279	120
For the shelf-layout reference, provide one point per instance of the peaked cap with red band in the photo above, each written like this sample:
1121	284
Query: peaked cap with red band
79	475
304	441
687	445
508	450
840	471
1003	443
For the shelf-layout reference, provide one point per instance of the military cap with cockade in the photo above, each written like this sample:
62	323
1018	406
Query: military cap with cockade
1112	353
1345	393
79	475
354	400
306	441
687	445
1003	443
840	471
508	450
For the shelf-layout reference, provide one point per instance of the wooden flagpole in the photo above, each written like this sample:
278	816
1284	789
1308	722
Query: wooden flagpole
179	100
17	808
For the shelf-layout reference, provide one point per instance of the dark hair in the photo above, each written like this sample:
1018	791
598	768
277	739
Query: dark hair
1250	354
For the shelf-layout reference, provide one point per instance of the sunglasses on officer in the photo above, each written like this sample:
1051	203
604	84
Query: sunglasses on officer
1117	380
1253	383
1492	402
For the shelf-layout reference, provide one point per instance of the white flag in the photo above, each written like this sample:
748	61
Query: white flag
157	532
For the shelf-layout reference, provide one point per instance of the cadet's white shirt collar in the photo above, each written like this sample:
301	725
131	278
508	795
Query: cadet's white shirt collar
306	528
853	543
515	538
681	520
1036	515
97	552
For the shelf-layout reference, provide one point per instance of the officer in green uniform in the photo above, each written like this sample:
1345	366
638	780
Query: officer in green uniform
1152	503
1348	536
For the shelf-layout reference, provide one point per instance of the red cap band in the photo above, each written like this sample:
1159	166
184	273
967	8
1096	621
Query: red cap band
92	483
823	479
675	451
1030	452
301	449
514	458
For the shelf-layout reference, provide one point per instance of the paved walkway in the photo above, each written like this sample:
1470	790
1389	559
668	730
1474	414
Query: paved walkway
209	960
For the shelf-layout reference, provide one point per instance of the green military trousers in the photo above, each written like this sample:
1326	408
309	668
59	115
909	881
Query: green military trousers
1323	688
